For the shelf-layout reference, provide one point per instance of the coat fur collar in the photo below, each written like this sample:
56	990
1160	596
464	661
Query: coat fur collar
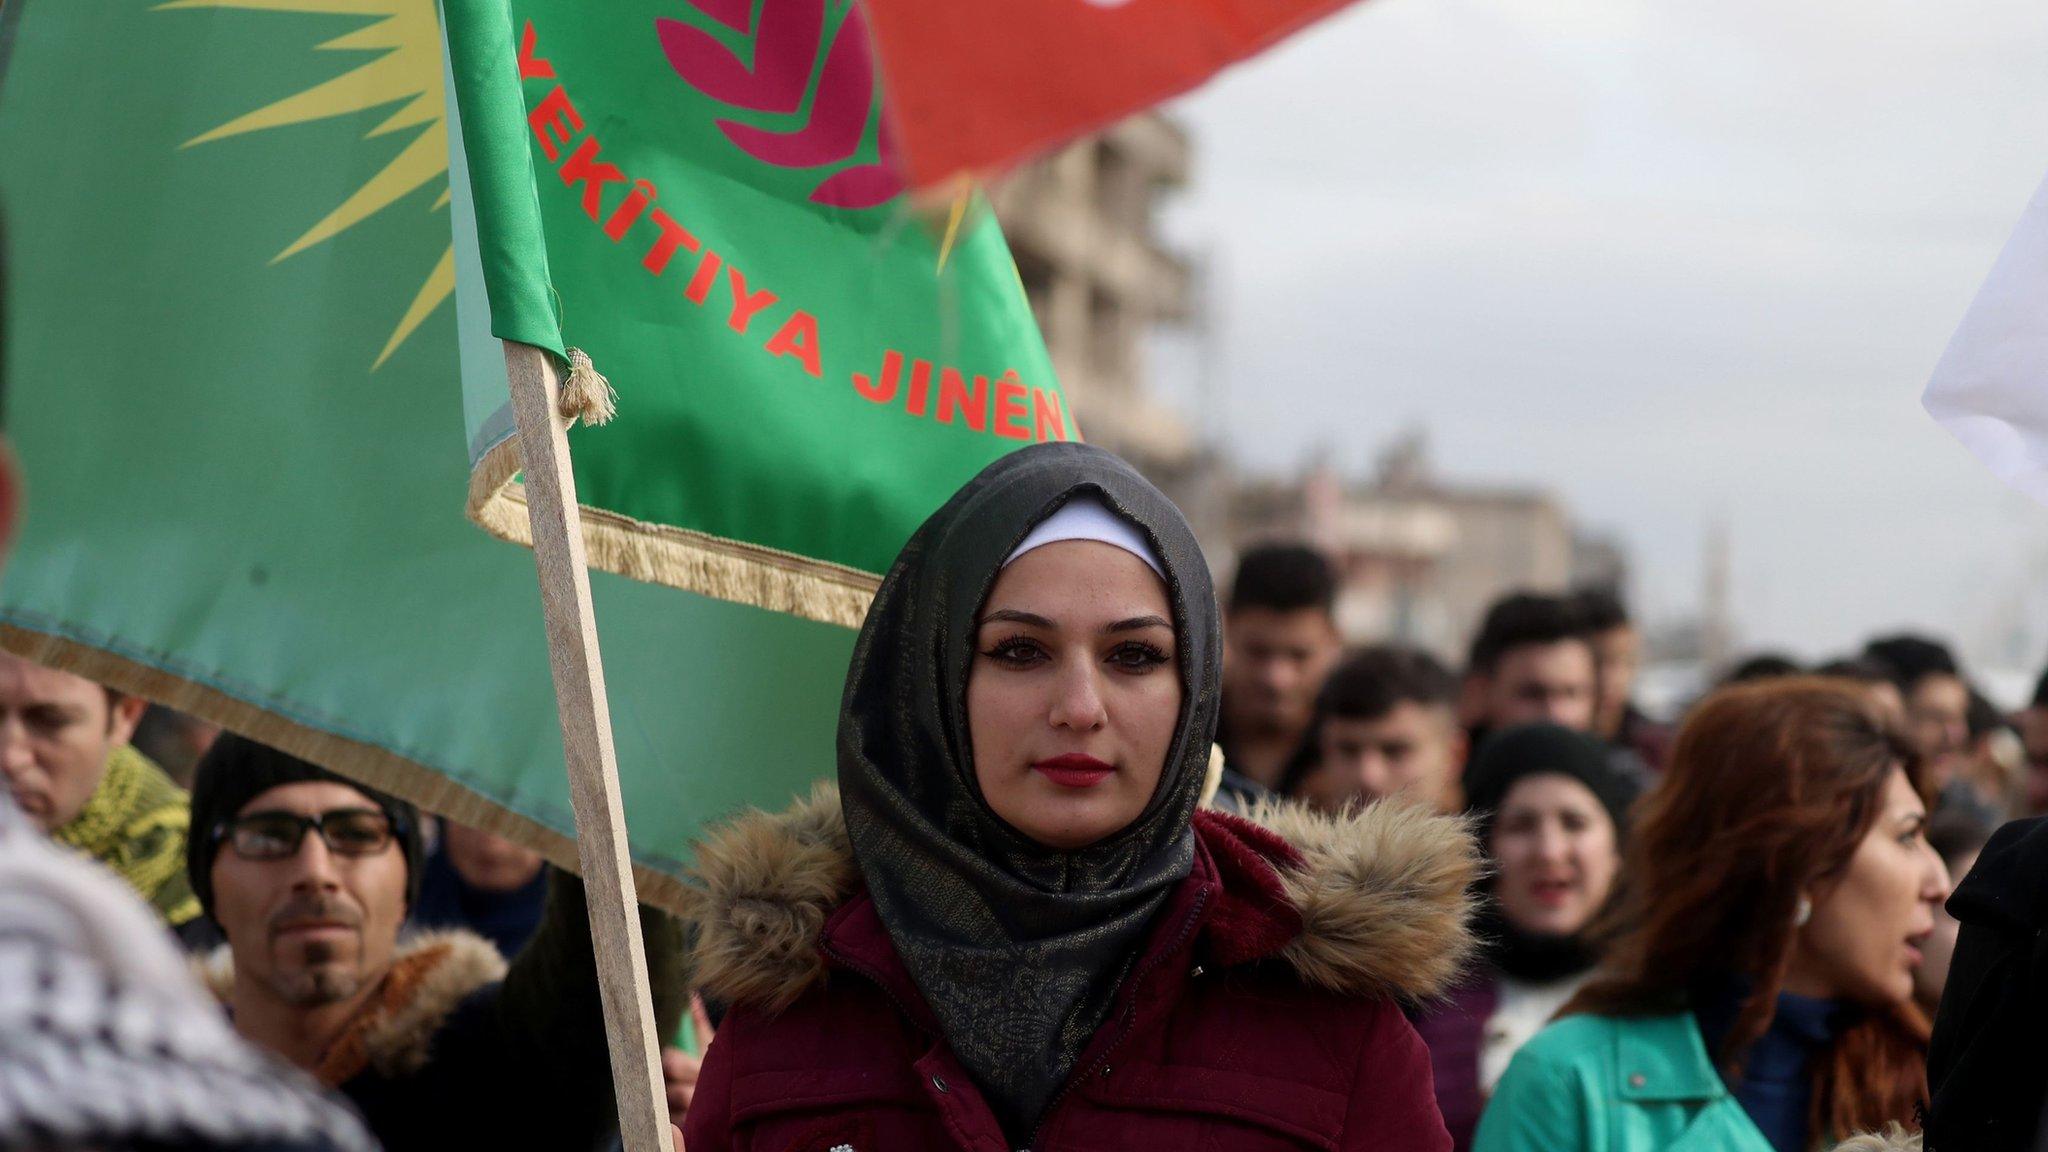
1382	896
393	1035
1892	1139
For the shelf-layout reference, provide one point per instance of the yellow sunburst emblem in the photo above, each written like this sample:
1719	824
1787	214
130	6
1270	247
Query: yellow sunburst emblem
407	39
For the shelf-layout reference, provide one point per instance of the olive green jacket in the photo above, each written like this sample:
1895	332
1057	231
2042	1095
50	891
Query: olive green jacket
1601	1084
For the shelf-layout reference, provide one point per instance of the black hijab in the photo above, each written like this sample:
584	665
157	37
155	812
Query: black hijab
1019	948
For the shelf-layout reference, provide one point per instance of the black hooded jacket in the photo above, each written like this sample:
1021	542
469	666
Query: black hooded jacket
1988	1063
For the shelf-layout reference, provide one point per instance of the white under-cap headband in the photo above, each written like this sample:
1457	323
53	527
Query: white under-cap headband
1088	518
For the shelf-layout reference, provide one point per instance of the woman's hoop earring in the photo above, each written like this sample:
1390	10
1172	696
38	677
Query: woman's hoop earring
1803	914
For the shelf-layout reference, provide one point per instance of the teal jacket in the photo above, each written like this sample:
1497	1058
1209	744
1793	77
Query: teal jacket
1597	1084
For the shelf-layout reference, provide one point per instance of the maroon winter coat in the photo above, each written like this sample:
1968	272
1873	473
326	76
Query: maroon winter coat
1261	1014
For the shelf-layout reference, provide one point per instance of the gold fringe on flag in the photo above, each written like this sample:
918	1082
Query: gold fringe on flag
660	554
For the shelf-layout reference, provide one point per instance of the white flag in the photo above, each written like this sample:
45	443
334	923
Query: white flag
1991	388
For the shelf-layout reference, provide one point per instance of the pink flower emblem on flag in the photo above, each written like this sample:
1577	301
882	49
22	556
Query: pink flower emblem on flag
786	36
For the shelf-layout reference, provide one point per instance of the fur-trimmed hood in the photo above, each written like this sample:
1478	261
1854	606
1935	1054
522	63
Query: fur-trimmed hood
1892	1139
394	1033
1382	894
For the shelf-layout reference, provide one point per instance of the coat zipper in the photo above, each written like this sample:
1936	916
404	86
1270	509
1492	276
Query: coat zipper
1124	1026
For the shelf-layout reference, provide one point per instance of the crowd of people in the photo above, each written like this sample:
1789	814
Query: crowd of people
1740	913
1111	862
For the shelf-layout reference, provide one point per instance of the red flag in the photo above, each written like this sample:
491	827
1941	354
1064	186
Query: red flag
977	85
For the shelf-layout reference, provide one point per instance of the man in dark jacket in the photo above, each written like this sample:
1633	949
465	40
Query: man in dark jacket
1988	1065
107	1042
1280	641
433	1038
1617	647
1937	701
1534	661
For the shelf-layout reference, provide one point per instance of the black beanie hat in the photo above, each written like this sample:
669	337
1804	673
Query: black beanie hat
1512	754
236	770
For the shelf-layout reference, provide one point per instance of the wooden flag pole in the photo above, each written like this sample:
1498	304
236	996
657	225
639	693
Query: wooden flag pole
587	743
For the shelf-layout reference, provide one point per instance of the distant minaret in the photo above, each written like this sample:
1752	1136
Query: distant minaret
1717	627
2006	632
1322	499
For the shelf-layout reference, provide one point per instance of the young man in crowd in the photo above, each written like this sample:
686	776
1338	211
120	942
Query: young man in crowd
1279	642
1386	724
1937	701
67	763
1879	682
434	1039
1617	649
1531	663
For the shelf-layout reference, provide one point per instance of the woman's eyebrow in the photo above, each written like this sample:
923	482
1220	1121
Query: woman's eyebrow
1013	616
1137	622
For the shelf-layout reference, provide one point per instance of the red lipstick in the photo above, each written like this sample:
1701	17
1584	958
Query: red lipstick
1074	770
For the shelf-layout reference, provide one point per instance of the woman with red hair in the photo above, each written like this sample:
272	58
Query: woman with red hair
1758	993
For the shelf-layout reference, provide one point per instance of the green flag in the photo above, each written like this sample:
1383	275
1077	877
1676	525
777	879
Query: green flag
700	195
231	355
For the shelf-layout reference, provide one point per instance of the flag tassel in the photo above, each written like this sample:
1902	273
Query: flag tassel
586	394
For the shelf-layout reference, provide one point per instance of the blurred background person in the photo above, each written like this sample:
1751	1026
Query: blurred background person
1531	662
1991	775
485	883
65	755
1386	723
1878	680
2032	723
1761	666
1617	650
1551	811
175	740
1280	641
1937	701
1777	891
1957	835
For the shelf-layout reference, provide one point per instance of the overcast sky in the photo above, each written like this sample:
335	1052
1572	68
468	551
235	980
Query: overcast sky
1672	260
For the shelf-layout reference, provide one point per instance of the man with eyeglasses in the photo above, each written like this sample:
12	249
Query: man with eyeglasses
437	1042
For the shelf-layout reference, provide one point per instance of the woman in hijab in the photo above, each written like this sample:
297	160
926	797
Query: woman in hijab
1010	927
1551	809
